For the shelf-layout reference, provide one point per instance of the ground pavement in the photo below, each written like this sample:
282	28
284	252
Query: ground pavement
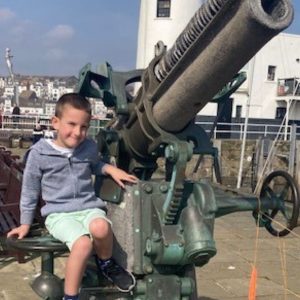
226	276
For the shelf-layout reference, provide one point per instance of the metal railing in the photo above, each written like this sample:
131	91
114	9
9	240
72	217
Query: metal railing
254	130
26	123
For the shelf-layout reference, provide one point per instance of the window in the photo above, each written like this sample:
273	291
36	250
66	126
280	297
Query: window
280	112
163	8
271	73
238	111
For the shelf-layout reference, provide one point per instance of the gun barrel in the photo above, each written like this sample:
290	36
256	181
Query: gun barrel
220	39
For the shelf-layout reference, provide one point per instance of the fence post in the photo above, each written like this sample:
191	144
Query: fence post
292	149
241	130
266	130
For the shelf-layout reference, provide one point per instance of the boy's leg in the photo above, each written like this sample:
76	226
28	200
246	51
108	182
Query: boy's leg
102	235
67	229
76	264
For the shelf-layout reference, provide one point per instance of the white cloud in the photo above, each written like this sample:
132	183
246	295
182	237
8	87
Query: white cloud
22	26
6	14
61	33
55	54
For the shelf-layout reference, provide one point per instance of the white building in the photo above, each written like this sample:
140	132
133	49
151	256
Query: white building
99	110
55	91
161	20
9	92
50	108
279	59
39	89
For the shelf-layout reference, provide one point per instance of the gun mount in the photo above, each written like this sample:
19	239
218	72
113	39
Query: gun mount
164	227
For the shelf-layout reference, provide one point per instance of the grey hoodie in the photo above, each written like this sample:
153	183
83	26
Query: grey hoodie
64	183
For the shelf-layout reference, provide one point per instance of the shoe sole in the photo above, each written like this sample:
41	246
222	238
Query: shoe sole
120	289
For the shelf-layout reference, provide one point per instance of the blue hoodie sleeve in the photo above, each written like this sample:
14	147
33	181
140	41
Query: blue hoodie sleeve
31	187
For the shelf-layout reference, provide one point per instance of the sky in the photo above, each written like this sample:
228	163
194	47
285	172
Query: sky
58	37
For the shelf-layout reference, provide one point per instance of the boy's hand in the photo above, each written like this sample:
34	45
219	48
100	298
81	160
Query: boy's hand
20	231
119	175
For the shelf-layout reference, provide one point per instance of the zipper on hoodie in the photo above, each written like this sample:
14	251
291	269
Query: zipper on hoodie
72	174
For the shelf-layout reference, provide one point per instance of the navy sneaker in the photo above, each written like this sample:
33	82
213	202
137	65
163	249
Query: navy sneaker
121	278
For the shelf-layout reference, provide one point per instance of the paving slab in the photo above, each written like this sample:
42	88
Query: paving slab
227	275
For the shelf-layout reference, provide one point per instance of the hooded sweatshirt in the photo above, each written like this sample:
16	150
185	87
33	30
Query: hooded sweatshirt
63	181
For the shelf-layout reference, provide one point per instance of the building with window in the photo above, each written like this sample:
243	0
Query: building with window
161	20
163	9
273	75
273	78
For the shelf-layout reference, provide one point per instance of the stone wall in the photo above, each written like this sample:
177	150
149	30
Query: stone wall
255	156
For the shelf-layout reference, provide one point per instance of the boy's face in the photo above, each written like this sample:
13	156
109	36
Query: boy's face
71	127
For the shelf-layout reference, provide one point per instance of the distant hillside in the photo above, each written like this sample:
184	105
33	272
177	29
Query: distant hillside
70	80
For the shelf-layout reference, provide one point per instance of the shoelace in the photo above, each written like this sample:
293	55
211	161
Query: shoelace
112	268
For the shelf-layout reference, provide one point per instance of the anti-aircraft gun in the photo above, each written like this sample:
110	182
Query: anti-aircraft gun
164	227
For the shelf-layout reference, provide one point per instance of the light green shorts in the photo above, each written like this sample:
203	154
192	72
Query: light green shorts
68	227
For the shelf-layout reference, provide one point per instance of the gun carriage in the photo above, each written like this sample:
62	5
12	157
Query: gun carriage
164	227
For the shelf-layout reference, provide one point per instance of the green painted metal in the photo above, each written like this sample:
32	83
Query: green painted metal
173	218
107	85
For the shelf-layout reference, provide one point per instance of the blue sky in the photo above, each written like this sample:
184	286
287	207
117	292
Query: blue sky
58	37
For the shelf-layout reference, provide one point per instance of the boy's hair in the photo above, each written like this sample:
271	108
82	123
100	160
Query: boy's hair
75	100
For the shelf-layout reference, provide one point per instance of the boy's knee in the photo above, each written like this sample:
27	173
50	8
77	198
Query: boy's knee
83	245
100	228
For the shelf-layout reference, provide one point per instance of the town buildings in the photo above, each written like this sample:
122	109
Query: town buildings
37	95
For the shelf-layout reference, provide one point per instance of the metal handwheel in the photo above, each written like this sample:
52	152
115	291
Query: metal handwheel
281	186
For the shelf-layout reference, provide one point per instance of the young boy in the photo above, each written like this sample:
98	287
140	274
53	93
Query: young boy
61	170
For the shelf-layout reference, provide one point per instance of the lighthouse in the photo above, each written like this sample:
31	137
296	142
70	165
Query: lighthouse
161	20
